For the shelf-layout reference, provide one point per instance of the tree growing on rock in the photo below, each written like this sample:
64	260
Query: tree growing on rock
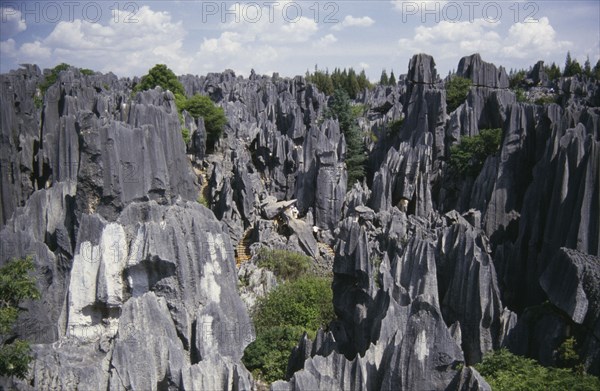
572	67
16	286
292	308
383	79
467	157
341	109
392	80
457	89
214	116
160	75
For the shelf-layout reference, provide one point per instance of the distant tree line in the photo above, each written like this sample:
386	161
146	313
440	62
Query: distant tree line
571	68
347	80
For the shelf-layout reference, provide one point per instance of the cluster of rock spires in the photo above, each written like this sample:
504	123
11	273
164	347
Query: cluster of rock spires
430	271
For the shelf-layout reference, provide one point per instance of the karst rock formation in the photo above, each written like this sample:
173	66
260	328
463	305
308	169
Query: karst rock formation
431	271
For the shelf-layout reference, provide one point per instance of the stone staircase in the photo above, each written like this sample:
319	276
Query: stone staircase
242	250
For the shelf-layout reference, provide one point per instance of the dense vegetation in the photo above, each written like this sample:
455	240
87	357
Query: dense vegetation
457	89
467	157
505	371
292	308
197	106
16	285
340	108
349	81
214	116
287	265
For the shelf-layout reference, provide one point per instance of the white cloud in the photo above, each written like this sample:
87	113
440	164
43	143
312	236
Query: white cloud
252	42
229	42
526	41
351	21
325	41
11	22
34	51
279	29
124	48
363	65
8	48
527	38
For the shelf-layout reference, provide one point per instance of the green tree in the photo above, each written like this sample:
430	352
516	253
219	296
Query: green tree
467	157
516	79
383	79
392	80
267	357
281	318
553	71
572	67
363	81
16	285
160	75
214	116
457	89
340	108
587	67
596	71
505	371
352	86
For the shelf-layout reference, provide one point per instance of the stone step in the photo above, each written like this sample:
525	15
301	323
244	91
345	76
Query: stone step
242	250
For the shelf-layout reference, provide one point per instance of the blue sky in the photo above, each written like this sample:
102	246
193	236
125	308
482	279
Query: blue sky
289	37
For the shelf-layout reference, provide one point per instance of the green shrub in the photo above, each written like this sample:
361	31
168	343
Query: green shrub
281	317
520	95
545	100
468	157
16	285
305	302
568	356
267	357
185	133
201	106
38	102
160	75
288	265
202	201
457	89
359	110
86	72
506	371
395	126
